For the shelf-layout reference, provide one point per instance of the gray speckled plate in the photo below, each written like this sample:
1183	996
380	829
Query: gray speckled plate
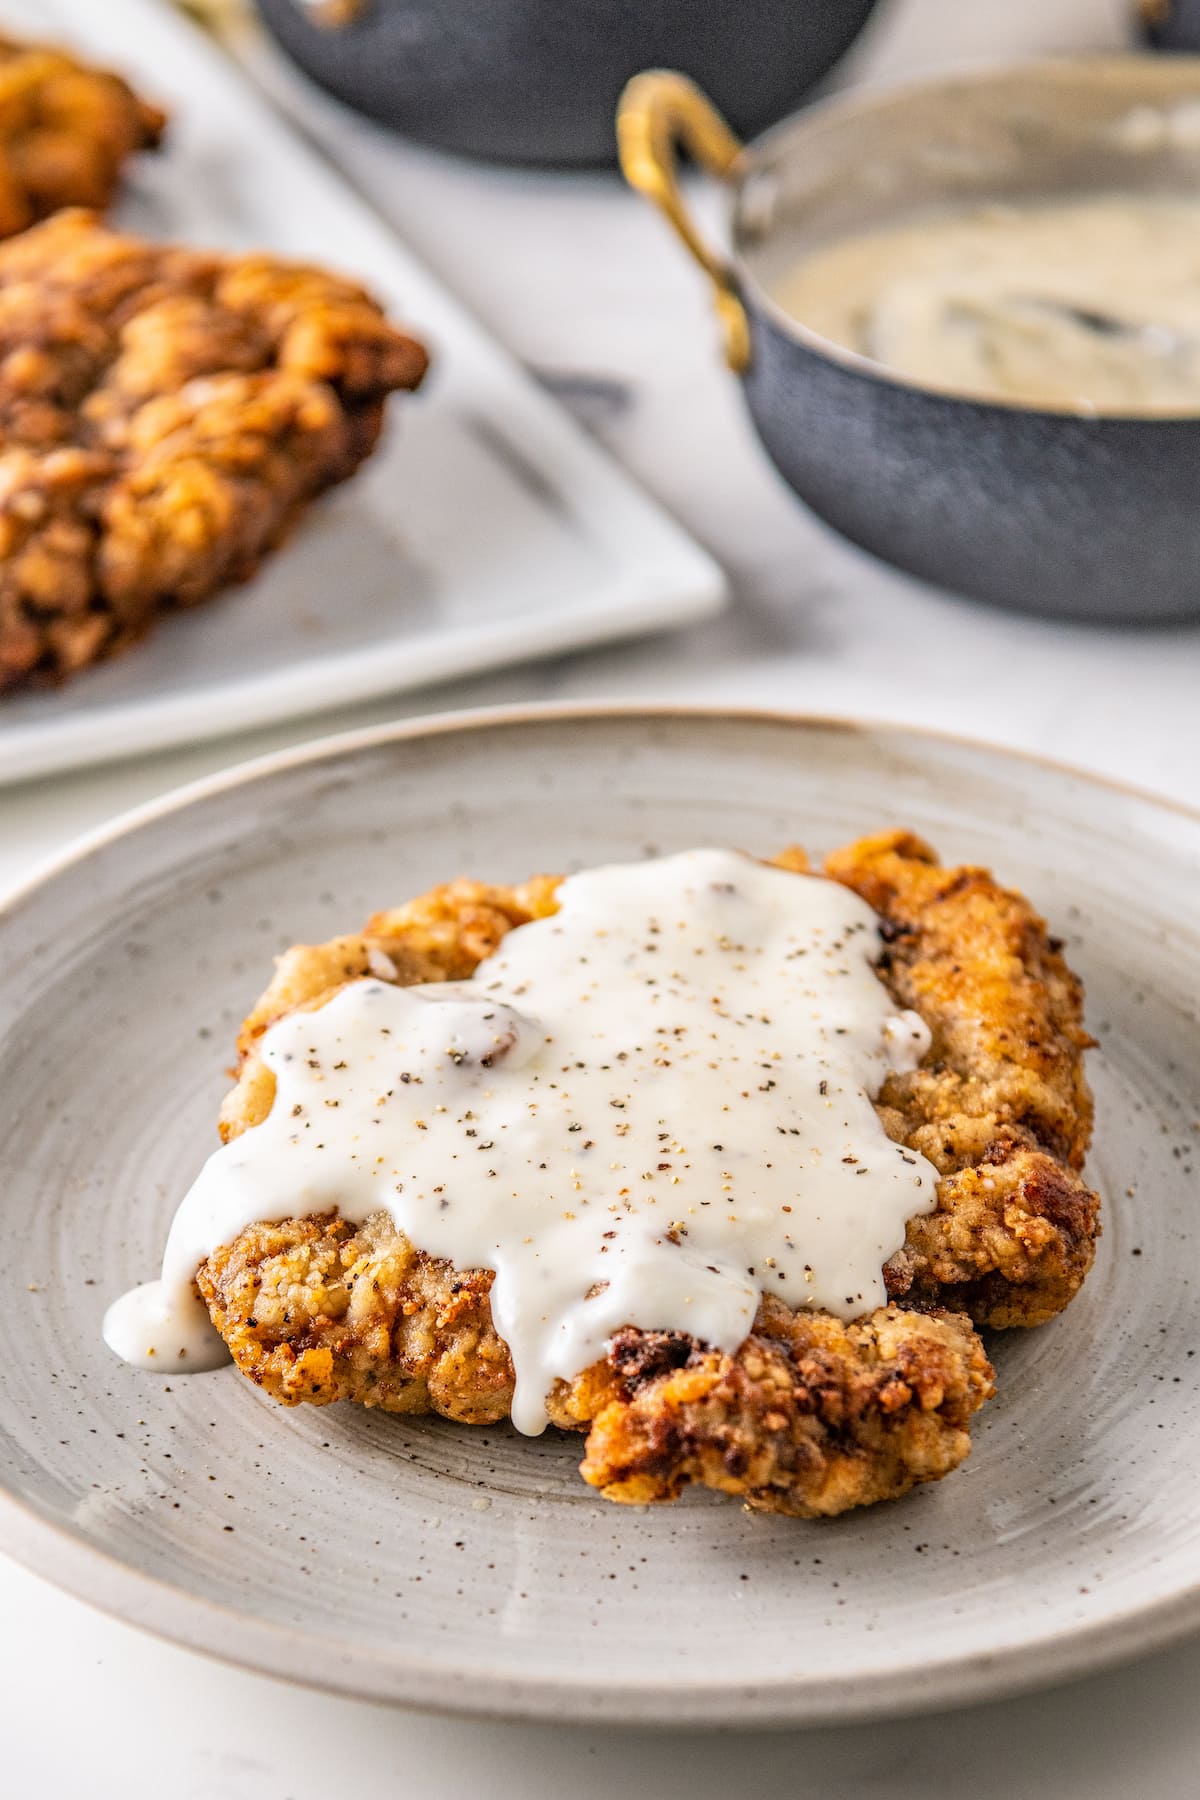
472	1570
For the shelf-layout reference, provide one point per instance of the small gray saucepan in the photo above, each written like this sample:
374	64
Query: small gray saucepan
536	81
1091	516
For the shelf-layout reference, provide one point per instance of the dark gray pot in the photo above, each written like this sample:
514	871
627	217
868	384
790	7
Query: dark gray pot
1043	510
1172	24
1084	518
537	81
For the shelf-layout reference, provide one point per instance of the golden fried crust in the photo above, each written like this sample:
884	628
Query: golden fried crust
1006	1012
312	1309
1000	1105
65	131
165	417
811	1416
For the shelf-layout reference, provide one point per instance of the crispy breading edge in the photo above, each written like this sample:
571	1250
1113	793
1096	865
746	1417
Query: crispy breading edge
809	1417
1001	1104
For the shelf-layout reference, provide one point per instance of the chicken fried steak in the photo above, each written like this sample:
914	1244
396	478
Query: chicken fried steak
165	416
811	1415
66	130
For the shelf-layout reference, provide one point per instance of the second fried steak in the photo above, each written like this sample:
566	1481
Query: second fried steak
165	414
66	129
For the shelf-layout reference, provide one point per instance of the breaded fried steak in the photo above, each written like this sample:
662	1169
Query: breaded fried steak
66	129
811	1415
165	416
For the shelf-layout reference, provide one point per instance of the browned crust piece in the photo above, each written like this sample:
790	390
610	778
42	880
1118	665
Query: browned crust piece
1001	1105
811	1416
165	416
66	130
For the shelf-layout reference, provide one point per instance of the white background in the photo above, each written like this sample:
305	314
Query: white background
582	281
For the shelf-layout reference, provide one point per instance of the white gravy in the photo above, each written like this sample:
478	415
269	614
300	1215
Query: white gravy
647	1110
1091	305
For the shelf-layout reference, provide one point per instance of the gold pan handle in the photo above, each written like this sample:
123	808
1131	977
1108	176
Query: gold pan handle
657	112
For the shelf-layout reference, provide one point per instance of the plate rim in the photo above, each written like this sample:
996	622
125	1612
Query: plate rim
152	1603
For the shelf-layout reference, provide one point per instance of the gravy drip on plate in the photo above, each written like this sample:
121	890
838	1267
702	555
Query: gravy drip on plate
649	1109
1088	304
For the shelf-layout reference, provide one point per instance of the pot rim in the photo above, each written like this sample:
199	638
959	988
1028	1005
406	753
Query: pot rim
1180	73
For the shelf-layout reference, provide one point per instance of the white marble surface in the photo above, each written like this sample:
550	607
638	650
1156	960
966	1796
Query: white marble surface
583	282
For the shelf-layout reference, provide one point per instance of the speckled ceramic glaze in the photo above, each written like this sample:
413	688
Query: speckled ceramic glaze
471	1569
